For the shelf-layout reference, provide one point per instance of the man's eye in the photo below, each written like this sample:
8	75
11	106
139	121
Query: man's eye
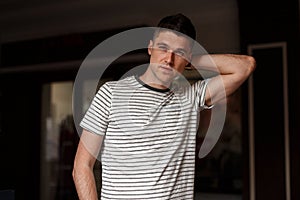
163	48
179	53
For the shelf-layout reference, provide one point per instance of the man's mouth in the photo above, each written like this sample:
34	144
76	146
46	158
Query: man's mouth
166	69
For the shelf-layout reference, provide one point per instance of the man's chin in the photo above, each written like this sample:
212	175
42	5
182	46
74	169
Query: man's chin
167	81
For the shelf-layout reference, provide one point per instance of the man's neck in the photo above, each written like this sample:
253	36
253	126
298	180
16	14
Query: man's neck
154	82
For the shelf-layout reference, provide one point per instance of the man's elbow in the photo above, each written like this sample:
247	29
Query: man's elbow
251	64
246	67
74	175
76	171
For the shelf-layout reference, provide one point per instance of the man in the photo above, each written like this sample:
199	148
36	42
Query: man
145	126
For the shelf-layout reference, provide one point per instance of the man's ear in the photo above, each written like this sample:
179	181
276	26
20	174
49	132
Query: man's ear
150	46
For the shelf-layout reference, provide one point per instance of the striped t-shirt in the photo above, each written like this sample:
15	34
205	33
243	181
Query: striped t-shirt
148	151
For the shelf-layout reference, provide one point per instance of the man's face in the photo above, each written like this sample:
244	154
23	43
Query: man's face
169	56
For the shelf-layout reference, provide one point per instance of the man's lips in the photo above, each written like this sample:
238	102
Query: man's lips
166	69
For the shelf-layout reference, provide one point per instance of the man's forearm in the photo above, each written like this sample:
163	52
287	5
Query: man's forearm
85	184
222	63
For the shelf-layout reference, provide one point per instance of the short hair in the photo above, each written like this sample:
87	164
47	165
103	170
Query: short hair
180	23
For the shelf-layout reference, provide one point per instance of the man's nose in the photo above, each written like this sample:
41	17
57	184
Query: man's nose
169	57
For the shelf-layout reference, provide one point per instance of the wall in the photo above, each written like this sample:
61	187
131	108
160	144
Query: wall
216	20
276	156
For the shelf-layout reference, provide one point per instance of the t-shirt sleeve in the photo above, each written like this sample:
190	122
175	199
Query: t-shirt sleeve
96	117
200	89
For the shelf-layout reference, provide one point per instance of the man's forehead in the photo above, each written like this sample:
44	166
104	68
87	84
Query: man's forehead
172	38
169	32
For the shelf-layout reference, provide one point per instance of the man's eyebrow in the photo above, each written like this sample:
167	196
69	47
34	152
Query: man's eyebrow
162	43
179	49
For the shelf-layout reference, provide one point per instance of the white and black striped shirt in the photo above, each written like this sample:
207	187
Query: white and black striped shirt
149	141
